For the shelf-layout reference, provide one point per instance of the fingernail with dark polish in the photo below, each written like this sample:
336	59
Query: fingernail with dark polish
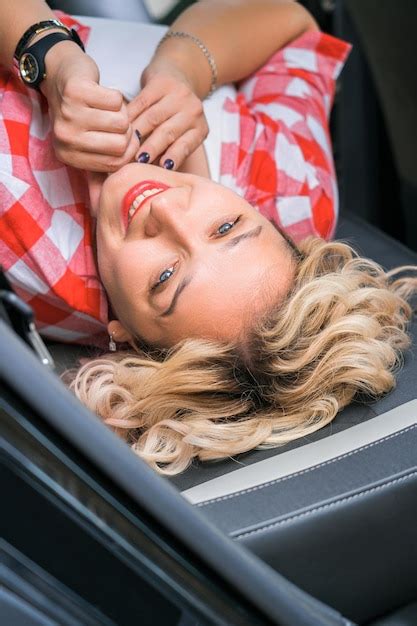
138	135
144	157
168	164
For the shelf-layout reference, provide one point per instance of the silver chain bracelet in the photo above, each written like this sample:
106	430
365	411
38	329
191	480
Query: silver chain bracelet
204	50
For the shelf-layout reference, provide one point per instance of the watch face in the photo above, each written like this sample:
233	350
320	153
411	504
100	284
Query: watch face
29	68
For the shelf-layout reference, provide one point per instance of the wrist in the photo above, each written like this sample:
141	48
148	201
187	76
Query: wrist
174	55
61	55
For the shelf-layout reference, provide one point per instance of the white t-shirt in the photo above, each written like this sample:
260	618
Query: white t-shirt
123	49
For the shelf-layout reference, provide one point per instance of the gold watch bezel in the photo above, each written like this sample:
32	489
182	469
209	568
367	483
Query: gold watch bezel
29	68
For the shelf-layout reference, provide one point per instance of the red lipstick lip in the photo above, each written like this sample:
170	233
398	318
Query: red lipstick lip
134	191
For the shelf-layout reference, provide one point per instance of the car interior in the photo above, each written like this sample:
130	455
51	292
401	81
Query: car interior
318	531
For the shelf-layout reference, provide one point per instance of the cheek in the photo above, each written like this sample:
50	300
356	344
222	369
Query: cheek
123	272
130	273
131	267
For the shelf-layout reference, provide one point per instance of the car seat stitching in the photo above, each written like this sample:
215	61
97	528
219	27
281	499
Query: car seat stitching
323	507
304	471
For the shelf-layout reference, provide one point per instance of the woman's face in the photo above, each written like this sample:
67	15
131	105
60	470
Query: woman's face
181	256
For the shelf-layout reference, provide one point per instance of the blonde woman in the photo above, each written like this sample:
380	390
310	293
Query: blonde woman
233	326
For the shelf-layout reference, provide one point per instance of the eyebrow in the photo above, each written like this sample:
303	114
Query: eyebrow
255	232
186	281
230	243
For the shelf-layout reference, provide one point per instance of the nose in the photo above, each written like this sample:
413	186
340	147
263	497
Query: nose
169	214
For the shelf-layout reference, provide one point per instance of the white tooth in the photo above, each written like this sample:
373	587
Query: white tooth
141	197
151	192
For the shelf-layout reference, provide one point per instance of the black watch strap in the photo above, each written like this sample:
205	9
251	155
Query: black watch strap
34	30
34	57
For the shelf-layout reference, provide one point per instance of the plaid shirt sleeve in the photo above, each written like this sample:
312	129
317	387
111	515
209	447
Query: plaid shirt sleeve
276	147
45	229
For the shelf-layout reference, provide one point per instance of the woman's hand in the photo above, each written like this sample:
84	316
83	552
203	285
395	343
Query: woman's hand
168	115
91	127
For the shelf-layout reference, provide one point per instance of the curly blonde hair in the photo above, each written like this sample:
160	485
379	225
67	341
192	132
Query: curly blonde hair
340	332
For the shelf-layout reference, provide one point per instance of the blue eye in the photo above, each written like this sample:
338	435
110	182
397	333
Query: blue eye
224	228
165	275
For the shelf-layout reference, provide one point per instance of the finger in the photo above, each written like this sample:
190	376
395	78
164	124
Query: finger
93	162
146	98
156	115
87	161
114	164
99	97
109	144
130	154
106	121
164	136
181	149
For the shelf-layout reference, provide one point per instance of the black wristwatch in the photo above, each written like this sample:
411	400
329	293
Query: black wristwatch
32	60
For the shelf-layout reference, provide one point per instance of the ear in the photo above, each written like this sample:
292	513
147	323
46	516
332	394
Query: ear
95	182
119	333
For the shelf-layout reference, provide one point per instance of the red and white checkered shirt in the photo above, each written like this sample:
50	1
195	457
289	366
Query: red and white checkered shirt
276	152
276	149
